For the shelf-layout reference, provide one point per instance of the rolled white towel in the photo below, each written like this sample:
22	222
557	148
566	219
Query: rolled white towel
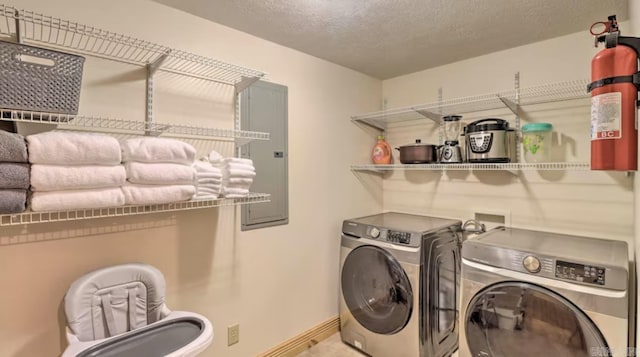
71	148
158	150
241	180
59	177
160	174
156	194
238	160
215	158
77	199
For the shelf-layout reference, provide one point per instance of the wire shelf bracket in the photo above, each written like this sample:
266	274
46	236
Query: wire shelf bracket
429	115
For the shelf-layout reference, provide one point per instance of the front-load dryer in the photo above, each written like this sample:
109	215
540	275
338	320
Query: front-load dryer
528	293
399	285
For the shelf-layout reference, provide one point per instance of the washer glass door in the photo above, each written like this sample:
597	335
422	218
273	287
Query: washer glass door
376	290
526	320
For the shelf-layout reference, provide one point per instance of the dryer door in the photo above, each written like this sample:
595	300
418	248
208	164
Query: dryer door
376	290
523	319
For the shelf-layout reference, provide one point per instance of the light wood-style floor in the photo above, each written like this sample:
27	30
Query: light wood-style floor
331	347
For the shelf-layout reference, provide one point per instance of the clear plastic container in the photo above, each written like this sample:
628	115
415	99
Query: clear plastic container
536	142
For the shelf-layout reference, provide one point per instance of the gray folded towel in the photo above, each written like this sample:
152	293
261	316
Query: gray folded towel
13	147
14	175
12	201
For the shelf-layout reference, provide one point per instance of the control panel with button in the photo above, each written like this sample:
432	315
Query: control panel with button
579	272
399	237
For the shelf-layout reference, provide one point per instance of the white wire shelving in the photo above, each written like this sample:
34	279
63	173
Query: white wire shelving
47	31
82	214
513	100
79	122
511	167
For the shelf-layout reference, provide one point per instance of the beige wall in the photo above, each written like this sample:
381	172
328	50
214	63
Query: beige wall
598	204
274	282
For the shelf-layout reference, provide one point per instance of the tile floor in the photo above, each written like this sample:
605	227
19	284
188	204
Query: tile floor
331	347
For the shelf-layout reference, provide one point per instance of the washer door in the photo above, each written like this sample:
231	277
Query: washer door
376	290
522	319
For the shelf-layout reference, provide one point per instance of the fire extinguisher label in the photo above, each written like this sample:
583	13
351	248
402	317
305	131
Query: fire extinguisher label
606	116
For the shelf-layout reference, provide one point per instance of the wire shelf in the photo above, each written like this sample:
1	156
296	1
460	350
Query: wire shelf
549	93
546	166
74	215
48	31
65	121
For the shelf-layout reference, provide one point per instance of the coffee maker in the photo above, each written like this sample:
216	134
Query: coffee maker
450	152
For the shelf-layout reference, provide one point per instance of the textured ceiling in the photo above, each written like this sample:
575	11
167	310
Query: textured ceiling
388	38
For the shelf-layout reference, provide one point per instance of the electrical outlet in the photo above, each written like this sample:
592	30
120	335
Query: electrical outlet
233	334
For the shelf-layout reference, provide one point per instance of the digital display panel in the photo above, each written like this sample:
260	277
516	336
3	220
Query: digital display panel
580	272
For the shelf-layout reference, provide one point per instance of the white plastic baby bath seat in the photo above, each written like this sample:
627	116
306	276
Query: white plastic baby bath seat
121	311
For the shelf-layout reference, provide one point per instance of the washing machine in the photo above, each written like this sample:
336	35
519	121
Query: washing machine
399	286
528	293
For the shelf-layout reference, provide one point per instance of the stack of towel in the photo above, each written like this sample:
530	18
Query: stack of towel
14	173
237	177
75	171
158	171
209	180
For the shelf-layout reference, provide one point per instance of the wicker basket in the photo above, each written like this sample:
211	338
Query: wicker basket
37	79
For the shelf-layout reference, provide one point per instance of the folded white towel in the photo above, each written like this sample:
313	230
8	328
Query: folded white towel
201	176
238	173
241	167
215	158
211	189
58	177
204	166
156	194
198	197
76	199
217	181
160	174
236	195
70	148
236	180
158	150
238	160
235	191
244	186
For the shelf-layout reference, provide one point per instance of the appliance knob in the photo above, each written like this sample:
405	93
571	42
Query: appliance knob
375	232
531	263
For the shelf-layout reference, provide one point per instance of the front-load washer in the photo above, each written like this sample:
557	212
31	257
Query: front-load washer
529	293
400	284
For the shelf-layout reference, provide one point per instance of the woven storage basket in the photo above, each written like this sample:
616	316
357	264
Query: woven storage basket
37	79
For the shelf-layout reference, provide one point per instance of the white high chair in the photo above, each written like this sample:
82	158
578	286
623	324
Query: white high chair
120	311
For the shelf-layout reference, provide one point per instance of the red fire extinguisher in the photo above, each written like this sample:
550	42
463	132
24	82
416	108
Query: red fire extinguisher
614	97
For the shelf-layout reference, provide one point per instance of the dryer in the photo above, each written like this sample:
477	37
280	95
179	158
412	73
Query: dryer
529	293
399	286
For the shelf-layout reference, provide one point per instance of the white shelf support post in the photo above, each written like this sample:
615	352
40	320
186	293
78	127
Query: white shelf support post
152	68
517	135
19	38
